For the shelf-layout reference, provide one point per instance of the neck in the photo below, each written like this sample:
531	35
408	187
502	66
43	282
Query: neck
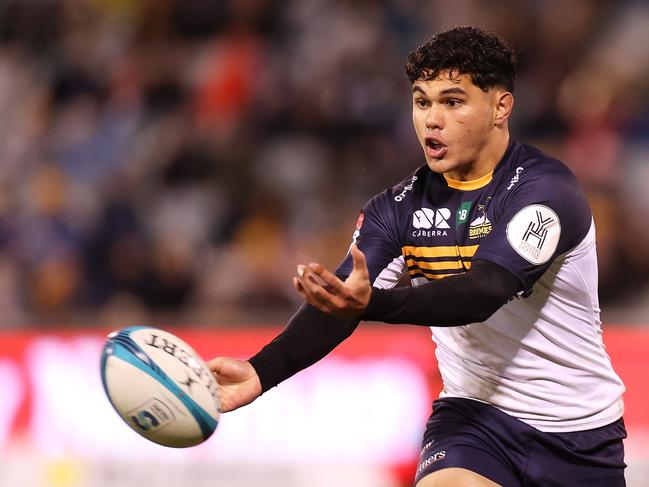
486	161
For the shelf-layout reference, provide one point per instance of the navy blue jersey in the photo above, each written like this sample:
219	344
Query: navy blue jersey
540	356
439	225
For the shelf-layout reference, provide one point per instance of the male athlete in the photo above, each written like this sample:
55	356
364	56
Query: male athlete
499	244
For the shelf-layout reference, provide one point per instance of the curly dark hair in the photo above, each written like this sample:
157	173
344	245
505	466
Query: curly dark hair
487	58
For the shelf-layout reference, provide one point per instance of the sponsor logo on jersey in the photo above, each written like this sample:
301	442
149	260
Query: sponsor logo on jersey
426	447
435	457
408	187
534	233
430	222
516	177
462	214
357	232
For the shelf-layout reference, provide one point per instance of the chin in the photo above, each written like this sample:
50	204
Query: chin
439	166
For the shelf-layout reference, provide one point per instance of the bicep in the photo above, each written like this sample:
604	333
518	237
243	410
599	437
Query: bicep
537	224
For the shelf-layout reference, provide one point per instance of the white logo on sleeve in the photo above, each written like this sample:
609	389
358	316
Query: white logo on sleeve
534	233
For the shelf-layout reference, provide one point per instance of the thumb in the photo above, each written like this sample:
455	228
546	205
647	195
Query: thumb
216	364
358	259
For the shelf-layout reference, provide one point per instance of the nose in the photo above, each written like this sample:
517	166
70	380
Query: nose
434	117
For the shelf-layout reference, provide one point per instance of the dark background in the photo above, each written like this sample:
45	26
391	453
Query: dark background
171	161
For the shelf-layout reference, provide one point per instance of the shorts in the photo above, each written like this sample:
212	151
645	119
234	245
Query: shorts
476	436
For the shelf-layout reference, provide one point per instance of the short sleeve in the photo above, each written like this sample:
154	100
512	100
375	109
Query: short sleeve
376	236
544	216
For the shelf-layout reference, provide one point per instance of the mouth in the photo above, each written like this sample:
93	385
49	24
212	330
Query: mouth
435	148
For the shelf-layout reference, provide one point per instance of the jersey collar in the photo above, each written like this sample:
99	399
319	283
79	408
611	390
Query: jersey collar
469	185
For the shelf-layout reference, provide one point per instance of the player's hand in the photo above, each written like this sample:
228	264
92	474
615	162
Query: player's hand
238	382
329	294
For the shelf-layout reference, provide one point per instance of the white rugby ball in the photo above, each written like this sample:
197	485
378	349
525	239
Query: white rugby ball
160	386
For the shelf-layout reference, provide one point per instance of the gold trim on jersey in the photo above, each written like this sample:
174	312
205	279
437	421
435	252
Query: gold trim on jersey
469	185
446	265
455	255
451	251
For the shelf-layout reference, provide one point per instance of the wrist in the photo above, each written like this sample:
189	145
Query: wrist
259	363
376	297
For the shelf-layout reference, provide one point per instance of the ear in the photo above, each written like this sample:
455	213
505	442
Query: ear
503	108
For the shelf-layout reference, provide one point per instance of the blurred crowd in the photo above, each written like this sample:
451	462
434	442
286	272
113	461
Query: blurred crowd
173	160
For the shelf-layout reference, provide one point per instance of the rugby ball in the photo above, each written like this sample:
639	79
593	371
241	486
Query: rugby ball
160	386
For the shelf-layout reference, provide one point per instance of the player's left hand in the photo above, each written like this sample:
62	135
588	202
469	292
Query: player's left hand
322	289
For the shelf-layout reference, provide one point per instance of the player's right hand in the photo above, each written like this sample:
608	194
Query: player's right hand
238	382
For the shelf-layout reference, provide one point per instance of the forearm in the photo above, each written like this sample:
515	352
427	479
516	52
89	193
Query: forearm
309	336
457	300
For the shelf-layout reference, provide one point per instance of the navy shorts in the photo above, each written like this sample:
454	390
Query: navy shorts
476	436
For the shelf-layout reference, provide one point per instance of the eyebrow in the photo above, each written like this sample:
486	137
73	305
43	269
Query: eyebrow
451	91
448	91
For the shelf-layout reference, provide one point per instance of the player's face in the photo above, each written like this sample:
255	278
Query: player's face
457	124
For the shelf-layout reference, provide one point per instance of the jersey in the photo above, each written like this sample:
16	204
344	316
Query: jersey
539	358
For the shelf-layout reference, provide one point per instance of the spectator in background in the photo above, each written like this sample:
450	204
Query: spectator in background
137	135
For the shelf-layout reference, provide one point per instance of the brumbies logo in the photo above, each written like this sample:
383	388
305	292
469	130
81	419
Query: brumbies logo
480	227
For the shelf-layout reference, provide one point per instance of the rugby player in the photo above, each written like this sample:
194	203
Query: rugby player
499	244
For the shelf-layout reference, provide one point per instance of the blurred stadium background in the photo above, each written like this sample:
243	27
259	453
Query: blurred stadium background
169	162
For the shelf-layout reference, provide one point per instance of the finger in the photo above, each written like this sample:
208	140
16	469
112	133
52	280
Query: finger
299	288
305	286
298	281
309	298
317	291
314	276
358	259
317	295
311	282
216	364
321	299
328	279
306	294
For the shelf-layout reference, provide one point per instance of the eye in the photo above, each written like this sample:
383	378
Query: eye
453	103
421	102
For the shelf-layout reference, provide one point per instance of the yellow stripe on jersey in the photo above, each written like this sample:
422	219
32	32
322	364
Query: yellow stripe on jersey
455	256
469	185
450	251
446	265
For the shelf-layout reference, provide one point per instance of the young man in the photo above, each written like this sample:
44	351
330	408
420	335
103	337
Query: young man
499	244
